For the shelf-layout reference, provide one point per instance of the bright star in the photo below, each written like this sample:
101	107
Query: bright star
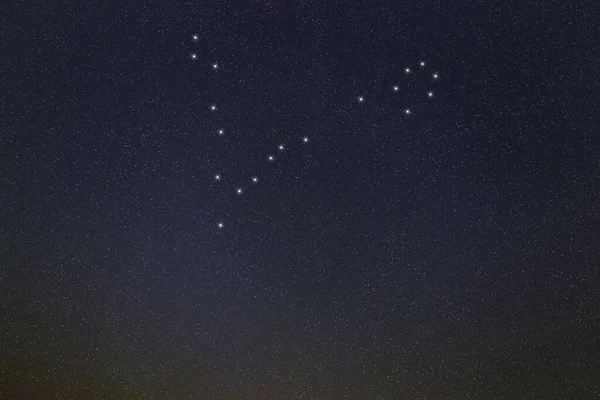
217	177
407	70
220	225
239	190
396	88
194	56
429	94
213	107
254	179
407	111
221	132
361	99
280	147
435	76
215	66
195	38
271	158
422	63
305	139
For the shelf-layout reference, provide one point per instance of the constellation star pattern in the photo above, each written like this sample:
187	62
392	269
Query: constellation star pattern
300	201
270	158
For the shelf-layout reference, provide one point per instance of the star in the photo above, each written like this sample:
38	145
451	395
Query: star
215	66
194	56
217	177
396	88
429	94
407	111
422	63
280	147
271	158
305	139
220	225
254	179
239	191
195	38
221	132
361	99
213	107
435	76
407	70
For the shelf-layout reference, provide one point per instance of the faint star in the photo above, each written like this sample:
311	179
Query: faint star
407	70
429	94
271	158
220	225
305	139
407	111
213	107
221	131
435	76
280	147
239	190
422	63
361	99
396	88
254	179
194	56
195	38
217	177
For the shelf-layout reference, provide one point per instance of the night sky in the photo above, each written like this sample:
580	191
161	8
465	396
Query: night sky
428	229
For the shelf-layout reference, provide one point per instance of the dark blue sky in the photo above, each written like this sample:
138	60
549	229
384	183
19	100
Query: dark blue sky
449	253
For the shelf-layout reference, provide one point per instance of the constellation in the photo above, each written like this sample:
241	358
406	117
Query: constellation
239	188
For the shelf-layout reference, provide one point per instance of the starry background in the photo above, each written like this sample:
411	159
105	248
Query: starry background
451	253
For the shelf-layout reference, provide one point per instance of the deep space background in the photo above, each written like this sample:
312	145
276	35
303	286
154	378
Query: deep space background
452	253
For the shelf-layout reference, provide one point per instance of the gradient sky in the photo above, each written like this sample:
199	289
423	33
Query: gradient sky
447	253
